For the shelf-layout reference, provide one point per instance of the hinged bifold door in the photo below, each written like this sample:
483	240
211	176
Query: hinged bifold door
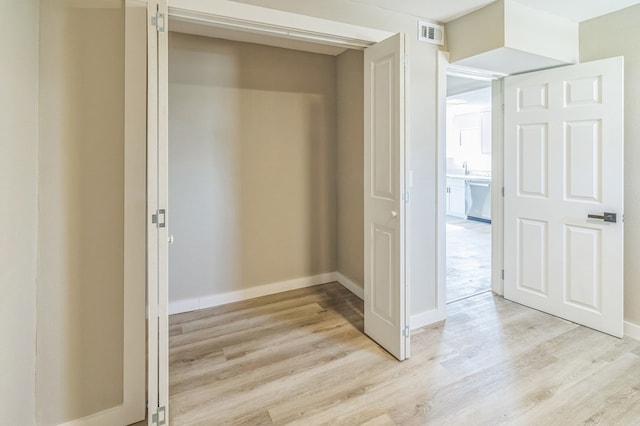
563	174
385	290
157	216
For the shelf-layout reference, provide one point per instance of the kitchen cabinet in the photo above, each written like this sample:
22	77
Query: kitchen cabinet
456	204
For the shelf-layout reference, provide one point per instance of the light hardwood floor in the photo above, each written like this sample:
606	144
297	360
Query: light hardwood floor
301	357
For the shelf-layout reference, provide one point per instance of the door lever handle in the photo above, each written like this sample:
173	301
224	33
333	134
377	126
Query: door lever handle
606	217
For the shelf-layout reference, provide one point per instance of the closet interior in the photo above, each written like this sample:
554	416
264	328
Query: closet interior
265	166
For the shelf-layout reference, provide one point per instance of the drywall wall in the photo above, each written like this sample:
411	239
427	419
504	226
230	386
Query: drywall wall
81	220
540	33
251	165
422	138
510	38
18	192
350	165
480	31
611	35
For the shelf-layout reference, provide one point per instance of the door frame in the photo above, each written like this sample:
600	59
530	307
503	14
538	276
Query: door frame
268	22
497	172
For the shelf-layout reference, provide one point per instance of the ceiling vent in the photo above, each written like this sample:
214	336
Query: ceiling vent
430	33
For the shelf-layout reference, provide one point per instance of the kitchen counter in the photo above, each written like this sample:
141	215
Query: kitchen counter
469	177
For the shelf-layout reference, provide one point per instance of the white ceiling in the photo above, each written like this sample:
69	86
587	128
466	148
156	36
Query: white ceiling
446	10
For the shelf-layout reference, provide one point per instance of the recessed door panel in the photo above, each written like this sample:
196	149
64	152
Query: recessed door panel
583	91
384	268
382	149
533	244
532	98
532	160
583	156
583	277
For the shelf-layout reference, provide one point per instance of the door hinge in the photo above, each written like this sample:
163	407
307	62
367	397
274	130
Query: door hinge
405	60
158	21
503	275
405	196
159	417
406	332
503	192
159	218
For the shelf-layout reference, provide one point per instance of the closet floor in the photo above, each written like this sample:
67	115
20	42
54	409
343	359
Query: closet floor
301	357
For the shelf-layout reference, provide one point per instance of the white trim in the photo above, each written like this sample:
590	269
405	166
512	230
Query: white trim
632	330
426	318
209	301
153	189
473	73
349	285
261	20
112	416
196	303
497	183
441	196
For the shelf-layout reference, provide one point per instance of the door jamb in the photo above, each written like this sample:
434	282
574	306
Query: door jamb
497	192
497	165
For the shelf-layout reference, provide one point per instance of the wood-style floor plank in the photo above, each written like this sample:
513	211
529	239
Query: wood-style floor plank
301	357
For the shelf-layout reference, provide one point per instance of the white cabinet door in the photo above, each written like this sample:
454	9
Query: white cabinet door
385	297
456	201
564	162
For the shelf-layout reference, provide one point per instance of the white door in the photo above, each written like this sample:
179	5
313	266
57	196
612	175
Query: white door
385	290
157	229
563	176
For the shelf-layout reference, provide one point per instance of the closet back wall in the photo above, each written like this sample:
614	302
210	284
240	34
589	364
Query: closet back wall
252	164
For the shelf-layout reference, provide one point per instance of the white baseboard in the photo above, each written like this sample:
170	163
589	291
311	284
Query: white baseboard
632	330
426	318
112	416
180	306
349	285
187	305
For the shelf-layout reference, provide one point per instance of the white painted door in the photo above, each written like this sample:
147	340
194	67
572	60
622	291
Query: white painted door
564	162
157	215
385	290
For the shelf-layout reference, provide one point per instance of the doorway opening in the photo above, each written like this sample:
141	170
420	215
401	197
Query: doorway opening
468	187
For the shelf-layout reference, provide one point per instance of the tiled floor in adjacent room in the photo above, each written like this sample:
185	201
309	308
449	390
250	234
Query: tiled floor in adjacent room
468	258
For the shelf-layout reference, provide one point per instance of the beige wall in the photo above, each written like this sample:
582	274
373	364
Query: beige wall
480	31
422	129
350	165
617	35
81	178
252	165
18	192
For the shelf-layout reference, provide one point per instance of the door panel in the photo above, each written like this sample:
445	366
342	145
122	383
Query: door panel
385	293
532	265
563	161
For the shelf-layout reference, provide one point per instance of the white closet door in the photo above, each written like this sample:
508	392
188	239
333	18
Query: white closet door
385	290
564	169
157	230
